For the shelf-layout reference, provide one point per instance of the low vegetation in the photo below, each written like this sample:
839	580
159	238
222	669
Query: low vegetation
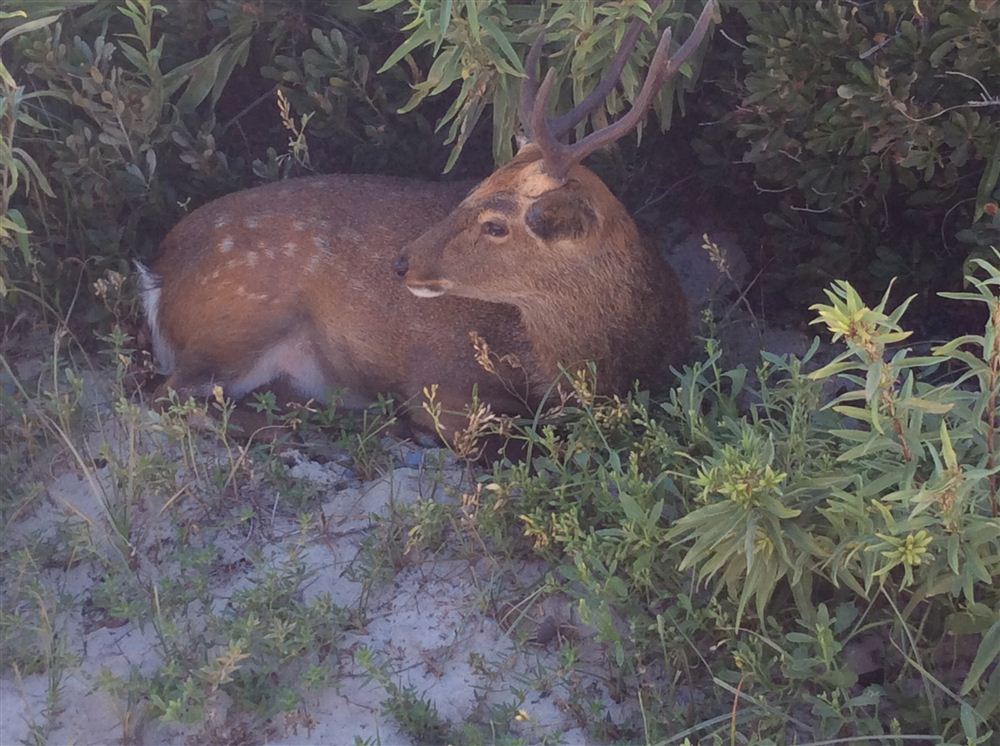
809	537
801	552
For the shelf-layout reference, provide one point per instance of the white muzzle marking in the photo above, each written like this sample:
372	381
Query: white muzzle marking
425	292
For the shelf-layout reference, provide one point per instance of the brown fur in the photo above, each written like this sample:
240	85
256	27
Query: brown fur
311	260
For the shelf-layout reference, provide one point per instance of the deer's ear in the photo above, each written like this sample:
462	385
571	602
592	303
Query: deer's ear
560	215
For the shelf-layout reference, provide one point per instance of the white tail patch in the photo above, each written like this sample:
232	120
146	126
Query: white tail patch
149	294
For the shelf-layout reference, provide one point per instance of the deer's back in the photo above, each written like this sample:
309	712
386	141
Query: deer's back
307	264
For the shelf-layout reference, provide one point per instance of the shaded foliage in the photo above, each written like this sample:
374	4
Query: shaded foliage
124	115
875	128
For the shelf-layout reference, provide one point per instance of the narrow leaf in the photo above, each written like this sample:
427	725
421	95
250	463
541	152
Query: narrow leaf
504	43
419	37
28	27
987	655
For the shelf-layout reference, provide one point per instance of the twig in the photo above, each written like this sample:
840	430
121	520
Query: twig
730	39
249	107
765	190
667	191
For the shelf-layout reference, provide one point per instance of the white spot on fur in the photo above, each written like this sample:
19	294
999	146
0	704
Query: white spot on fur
269	253
321	243
299	225
290	248
241	290
312	264
215	275
350	235
251	259
221	222
226	244
149	292
250	222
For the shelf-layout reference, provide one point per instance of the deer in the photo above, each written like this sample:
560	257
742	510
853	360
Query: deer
366	284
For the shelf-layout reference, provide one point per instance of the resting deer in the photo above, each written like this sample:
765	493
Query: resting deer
372	284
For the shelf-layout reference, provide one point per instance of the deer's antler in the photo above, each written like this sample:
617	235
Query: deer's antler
563	124
560	157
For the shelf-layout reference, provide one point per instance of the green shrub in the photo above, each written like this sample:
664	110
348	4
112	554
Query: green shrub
876	127
751	534
118	117
482	45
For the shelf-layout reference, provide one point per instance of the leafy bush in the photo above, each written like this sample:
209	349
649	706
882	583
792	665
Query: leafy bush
482	45
119	117
876	127
763	532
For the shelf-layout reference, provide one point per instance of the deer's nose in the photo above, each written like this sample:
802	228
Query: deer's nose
401	266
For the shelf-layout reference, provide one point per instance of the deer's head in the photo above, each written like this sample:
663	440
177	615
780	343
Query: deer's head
543	214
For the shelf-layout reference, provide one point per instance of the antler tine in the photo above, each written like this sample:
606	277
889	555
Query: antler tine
559	158
563	124
554	153
529	86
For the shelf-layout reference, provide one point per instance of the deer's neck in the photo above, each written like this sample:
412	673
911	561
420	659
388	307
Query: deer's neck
609	312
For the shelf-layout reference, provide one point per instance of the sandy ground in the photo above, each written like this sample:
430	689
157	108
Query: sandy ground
432	624
435	623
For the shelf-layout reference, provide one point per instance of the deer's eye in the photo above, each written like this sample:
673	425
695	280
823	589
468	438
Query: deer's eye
492	228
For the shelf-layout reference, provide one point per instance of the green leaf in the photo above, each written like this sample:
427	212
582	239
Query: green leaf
832	369
989	181
420	36
631	508
472	12
233	56
990	701
443	22
137	58
947	451
381	5
203	79
926	406
987	655
173	80
28	27
504	43
21	233
36	172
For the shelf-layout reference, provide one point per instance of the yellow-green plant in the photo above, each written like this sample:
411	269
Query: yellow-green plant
18	170
759	531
